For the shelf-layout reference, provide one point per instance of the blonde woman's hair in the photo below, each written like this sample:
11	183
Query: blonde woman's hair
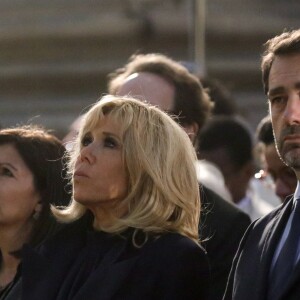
163	193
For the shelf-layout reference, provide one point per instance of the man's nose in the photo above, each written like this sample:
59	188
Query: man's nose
292	109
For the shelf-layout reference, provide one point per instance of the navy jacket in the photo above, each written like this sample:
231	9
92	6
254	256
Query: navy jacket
249	275
222	226
170	267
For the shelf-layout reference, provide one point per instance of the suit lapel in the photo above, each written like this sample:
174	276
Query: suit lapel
295	278
293	281
269	241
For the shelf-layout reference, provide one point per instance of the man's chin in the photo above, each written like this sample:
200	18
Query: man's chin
292	158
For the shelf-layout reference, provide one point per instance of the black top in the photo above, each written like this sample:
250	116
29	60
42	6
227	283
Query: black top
79	264
13	288
6	290
88	260
222	226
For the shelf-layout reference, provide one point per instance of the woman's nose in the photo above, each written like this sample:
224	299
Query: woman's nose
87	154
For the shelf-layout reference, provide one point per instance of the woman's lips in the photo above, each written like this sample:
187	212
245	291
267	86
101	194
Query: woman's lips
80	174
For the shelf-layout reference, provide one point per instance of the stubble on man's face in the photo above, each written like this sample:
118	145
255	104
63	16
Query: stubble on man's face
289	150
284	106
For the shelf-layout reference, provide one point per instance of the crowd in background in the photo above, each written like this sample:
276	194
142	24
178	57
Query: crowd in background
112	211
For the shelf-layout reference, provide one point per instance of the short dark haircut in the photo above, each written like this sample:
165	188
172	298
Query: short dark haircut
264	131
286	43
224	103
230	134
191	103
43	154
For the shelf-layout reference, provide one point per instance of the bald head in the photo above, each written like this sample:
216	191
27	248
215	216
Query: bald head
150	87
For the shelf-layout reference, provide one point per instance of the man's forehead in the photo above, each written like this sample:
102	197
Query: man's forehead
284	73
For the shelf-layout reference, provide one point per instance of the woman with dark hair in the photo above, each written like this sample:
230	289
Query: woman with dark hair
31	179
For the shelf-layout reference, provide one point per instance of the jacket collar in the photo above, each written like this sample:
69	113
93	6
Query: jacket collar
273	232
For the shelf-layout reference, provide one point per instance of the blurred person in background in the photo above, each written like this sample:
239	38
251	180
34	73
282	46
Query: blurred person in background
224	104
220	95
284	178
227	142
31	179
131	229
165	83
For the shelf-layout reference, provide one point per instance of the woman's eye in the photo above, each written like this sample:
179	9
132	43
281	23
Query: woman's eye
110	142
87	139
6	172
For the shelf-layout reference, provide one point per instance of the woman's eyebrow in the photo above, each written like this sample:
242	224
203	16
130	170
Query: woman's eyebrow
8	164
107	133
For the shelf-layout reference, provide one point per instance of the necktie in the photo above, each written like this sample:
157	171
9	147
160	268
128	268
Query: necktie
286	261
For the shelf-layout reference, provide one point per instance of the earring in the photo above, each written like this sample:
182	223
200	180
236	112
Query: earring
36	215
37	211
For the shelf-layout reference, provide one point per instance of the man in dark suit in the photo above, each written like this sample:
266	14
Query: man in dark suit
267	263
167	84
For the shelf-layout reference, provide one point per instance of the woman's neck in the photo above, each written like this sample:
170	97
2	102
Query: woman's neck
102	219
8	268
105	216
11	239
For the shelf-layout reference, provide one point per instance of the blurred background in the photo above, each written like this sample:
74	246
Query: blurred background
55	55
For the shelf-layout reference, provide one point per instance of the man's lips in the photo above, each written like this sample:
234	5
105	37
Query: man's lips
290	142
290	133
292	137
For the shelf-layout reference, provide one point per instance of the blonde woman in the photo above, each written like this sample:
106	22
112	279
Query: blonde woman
132	225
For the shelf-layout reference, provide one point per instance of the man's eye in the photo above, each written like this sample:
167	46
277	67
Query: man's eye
277	100
110	142
86	140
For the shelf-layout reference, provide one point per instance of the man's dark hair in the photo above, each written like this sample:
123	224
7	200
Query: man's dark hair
191	103
224	103
264	131
286	43
230	134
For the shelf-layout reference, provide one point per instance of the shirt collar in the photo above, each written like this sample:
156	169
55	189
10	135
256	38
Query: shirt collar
297	192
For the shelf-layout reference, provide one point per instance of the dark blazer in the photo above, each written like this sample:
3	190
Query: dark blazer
170	267
249	275
222	225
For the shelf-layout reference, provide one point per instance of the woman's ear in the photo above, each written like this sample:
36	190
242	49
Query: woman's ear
37	210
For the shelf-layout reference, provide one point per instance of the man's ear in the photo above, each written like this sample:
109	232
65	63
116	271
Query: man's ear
191	130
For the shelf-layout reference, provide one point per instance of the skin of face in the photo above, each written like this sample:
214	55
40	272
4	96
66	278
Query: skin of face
284	106
236	180
157	91
18	196
284	177
100	179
